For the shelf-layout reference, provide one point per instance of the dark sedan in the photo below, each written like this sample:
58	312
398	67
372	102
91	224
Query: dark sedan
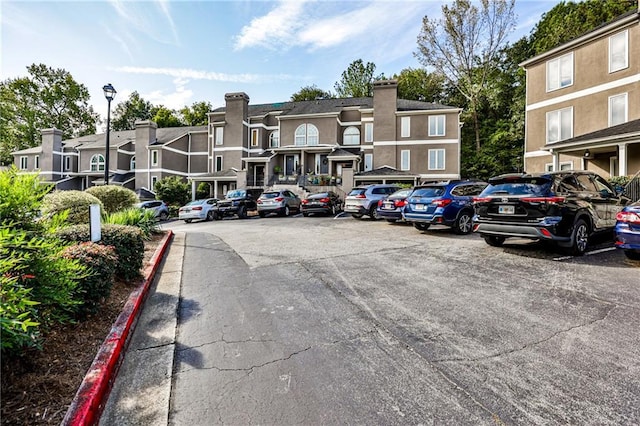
390	208
321	203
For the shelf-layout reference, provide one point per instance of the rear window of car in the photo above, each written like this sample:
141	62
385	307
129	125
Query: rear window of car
269	194
429	191
320	195
195	202
524	186
357	191
403	193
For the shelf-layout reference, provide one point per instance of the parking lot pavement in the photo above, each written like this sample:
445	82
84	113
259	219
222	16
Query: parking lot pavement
316	320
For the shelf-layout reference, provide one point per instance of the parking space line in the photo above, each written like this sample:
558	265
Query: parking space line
589	253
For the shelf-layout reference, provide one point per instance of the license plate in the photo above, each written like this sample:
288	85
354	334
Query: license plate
315	203
506	210
420	207
388	206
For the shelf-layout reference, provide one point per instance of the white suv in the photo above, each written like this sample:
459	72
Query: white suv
363	200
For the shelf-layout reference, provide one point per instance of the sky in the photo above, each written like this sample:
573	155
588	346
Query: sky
175	53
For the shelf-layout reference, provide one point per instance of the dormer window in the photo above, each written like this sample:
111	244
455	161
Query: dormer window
306	134
96	163
351	136
560	72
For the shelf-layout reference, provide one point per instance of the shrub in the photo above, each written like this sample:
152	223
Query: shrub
127	241
21	197
76	202
203	191
173	190
100	262
143	219
114	197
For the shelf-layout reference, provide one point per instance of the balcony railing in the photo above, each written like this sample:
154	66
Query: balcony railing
305	180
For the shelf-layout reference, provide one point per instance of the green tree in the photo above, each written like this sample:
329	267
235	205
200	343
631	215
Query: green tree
46	98
418	84
357	80
128	112
165	117
196	115
464	46
173	190
310	93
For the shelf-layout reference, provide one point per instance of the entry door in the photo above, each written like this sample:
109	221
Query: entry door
258	176
323	165
290	164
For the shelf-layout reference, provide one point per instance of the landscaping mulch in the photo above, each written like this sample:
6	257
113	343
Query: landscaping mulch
38	387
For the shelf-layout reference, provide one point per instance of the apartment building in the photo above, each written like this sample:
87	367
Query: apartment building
583	102
329	143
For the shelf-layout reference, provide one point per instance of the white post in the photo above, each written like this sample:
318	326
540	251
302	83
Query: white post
622	159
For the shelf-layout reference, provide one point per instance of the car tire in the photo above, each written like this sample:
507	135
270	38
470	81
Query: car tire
163	216
286	212
210	216
579	238
494	241
334	211
421	226
242	212
392	220
357	215
463	224
305	214
188	220
262	214
373	213
632	254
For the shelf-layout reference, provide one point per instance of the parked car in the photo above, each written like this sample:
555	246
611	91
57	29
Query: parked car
565	207
203	209
239	202
363	200
160	208
628	231
448	203
282	202
321	202
390	208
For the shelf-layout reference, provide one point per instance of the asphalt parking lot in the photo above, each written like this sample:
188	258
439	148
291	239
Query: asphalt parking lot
337	320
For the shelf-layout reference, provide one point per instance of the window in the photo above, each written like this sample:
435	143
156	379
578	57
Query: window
97	163
568	165
368	132
219	135
559	125
274	139
154	179
619	51
405	159
154	157
67	163
218	163
548	167
254	137
24	163
132	163
436	159
36	162
405	126
368	162
437	125
351	136
306	134
560	72
617	109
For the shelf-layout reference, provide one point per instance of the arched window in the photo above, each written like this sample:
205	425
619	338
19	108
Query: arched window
351	136
306	134
274	139
132	164
97	163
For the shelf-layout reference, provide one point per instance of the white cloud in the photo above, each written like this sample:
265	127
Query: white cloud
141	17
180	97
185	73
275	28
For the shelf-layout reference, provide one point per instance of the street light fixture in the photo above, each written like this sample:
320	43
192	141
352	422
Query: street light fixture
109	93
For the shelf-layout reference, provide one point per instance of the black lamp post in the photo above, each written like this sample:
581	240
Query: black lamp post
109	93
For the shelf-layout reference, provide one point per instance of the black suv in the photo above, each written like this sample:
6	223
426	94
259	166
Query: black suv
565	207
239	202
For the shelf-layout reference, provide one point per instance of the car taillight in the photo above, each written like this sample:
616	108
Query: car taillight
628	217
259	201
442	203
361	196
324	200
305	201
181	210
548	200
197	208
400	203
279	199
481	199
379	203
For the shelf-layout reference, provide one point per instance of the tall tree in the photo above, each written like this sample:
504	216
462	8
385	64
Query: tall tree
196	115
165	117
357	80
419	85
310	93
128	112
464	45
46	98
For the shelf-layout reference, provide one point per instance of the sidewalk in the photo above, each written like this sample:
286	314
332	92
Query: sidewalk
141	391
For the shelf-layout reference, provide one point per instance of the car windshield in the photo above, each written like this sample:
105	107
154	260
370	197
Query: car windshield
238	193
195	202
519	186
269	195
429	191
357	191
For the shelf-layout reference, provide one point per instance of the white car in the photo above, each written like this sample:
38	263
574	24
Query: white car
204	209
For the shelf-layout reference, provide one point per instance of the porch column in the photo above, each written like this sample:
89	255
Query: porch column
193	190
556	161
622	159
215	189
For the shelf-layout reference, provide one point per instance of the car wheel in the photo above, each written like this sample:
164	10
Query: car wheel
356	215
242	212
334	210
421	226
632	254
373	213
164	216
262	214
494	241
188	220
391	220
286	211
463	224
209	216
579	238
305	214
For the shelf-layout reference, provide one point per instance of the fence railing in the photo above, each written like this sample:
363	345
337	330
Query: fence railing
632	189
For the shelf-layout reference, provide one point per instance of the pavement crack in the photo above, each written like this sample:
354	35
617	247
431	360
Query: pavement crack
228	342
163	345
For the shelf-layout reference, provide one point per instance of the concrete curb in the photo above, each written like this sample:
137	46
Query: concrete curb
92	395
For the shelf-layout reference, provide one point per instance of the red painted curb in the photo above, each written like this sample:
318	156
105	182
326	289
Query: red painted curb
87	405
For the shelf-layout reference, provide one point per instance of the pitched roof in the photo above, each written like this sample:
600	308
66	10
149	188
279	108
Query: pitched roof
385	171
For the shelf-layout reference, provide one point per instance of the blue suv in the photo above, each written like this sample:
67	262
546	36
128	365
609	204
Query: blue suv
447	203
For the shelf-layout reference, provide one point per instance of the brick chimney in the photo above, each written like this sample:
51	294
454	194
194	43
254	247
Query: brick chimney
51	157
